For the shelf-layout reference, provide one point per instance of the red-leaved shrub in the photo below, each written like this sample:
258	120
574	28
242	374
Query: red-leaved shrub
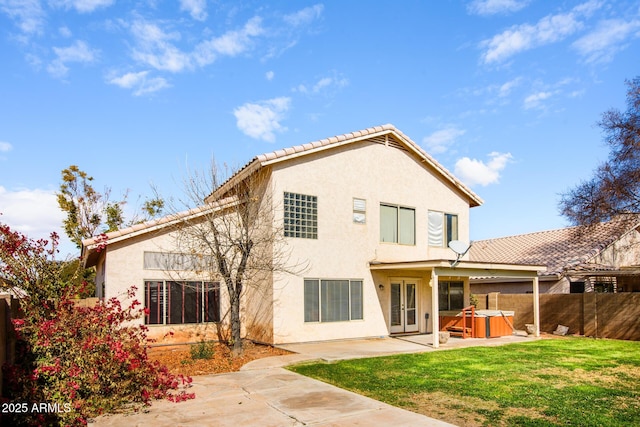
73	363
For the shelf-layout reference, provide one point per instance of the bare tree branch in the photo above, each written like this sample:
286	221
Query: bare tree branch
238	238
615	187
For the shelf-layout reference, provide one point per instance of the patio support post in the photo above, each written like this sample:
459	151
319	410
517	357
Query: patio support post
536	306
435	320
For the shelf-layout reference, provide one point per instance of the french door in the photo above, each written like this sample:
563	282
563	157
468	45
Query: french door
404	309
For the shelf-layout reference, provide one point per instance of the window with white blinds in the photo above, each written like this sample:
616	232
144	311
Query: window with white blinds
332	300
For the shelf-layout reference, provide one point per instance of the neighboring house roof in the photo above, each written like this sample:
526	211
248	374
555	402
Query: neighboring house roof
560	250
385	134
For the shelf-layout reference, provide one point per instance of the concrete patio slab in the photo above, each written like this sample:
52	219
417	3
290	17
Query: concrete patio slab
269	397
262	393
331	351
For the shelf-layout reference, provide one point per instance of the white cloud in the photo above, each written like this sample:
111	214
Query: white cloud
262	119
577	93
65	32
476	172
289	31
324	84
550	29
77	52
440	140
28	14
535	100
233	43
505	88
607	39
269	75
5	147
304	16
155	48
140	82
196	8
82	6
492	7
35	213
158	48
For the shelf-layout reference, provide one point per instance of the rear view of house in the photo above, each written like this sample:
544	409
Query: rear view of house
368	215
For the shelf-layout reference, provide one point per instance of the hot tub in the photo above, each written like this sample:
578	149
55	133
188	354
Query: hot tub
487	323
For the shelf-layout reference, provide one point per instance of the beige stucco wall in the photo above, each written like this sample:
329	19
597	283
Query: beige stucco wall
275	312
343	250
124	268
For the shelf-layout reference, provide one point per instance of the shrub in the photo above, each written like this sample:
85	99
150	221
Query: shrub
79	362
202	350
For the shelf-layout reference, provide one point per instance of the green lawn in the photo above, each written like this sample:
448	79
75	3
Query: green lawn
551	382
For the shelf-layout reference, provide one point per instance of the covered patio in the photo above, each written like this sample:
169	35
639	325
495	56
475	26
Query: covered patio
406	279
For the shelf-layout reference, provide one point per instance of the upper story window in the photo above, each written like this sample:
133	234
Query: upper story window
359	211
300	216
443	228
397	224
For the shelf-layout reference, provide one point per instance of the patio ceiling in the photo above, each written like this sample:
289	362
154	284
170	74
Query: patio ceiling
463	268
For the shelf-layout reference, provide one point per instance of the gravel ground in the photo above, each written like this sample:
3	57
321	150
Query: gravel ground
178	358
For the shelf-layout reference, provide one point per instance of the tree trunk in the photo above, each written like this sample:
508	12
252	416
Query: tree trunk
235	324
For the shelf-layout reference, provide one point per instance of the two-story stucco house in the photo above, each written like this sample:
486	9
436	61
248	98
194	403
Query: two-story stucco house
369	212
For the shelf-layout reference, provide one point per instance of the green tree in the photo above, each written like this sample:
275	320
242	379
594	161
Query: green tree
82	204
90	212
614	188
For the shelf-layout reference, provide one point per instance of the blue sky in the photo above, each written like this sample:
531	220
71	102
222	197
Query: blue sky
504	93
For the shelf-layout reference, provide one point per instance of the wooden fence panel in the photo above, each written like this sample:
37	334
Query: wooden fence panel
561	309
5	309
615	316
618	316
521	305
9	309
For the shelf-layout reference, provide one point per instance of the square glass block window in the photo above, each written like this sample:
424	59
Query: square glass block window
359	211
300	216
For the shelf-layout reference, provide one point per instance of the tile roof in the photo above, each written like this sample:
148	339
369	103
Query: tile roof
335	141
90	246
567	248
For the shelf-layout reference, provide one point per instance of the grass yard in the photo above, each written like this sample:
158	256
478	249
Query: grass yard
550	382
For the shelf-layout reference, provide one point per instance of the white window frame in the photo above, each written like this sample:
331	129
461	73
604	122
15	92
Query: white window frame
438	232
316	299
359	210
300	215
172	261
397	236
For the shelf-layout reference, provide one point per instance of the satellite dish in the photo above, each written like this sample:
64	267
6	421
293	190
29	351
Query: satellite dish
460	248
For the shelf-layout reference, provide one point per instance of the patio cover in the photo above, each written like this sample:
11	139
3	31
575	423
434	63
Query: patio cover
467	269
